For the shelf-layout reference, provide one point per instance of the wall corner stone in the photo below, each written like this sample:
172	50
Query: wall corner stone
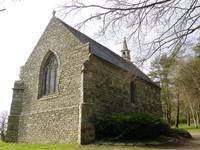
87	129
16	108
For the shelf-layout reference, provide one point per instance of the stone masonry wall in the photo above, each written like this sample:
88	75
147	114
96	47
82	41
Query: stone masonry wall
107	90
148	98
13	119
107	87
53	118
86	85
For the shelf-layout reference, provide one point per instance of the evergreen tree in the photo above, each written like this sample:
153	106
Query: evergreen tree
160	71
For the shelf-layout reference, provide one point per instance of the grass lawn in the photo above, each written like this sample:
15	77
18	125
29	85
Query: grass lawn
11	146
191	128
15	146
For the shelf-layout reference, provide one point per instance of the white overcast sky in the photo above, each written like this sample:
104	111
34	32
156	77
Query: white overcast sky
21	26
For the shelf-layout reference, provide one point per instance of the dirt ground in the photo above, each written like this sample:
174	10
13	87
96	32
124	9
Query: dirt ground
182	144
193	144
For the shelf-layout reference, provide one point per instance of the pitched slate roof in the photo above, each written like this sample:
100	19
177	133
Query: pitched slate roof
106	54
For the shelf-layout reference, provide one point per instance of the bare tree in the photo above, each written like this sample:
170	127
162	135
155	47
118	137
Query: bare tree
3	9
2	2
3	124
166	23
188	81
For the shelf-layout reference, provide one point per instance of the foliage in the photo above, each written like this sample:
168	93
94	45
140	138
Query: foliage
160	71
128	126
197	50
187	79
182	120
3	124
190	128
177	132
186	87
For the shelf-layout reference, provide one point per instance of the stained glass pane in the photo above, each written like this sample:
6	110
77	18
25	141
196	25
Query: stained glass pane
49	83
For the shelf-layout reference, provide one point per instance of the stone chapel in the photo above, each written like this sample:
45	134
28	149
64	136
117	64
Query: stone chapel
67	79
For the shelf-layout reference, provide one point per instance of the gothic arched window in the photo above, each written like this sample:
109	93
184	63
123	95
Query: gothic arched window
49	75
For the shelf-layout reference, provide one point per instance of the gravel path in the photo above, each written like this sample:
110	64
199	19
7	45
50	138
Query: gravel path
193	144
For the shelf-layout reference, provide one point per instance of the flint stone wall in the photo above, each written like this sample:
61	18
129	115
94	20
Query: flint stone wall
87	85
107	89
53	118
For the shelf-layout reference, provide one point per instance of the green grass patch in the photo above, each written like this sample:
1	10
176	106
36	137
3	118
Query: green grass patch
190	128
18	146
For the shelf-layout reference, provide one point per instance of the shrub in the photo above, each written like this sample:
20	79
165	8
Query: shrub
2	136
128	126
180	133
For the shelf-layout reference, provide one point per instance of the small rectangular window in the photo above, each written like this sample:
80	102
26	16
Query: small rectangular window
133	92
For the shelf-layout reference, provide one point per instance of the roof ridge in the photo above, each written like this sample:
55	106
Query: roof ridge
68	26
106	54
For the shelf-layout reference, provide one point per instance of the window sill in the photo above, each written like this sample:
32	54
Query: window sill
50	96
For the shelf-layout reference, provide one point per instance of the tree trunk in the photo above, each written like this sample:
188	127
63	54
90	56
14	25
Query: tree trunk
188	119
192	109
197	119
193	114
168	114
178	111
